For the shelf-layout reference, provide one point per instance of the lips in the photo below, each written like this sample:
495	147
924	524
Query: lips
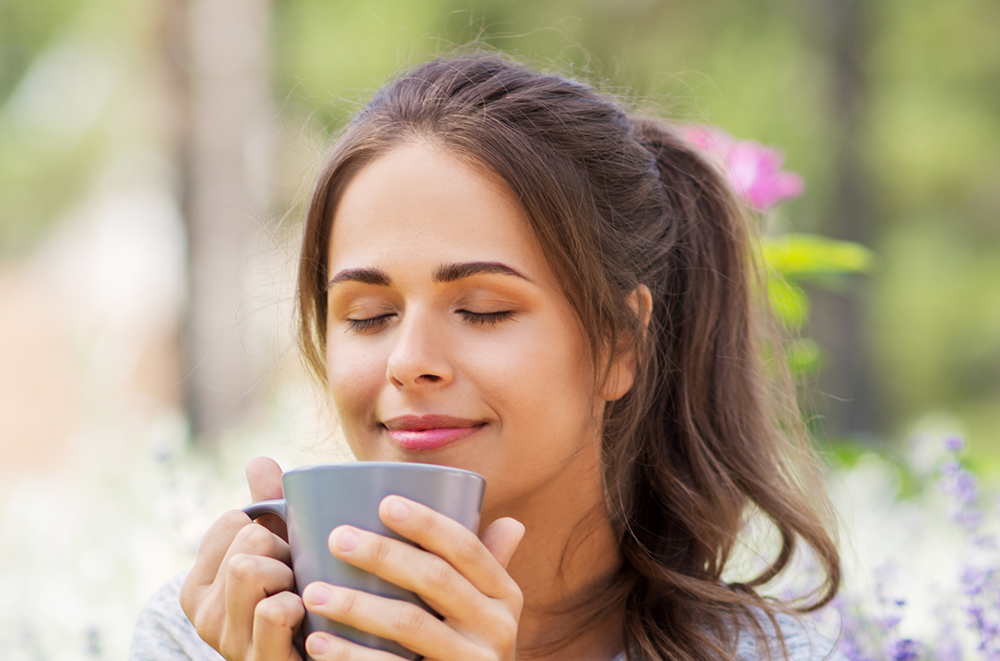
429	432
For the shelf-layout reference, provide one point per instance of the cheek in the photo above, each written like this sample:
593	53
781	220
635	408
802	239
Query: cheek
543	374
354	375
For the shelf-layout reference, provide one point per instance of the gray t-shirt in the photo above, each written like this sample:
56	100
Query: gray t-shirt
163	633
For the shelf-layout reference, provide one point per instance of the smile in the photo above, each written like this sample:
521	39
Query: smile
422	433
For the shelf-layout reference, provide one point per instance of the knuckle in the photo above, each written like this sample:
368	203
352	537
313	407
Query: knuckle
234	518
437	574
347	604
409	619
516	599
272	613
255	537
380	549
242	567
469	550
427	523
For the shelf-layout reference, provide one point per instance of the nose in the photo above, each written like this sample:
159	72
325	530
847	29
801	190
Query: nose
419	357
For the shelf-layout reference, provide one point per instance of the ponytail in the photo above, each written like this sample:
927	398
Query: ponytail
714	440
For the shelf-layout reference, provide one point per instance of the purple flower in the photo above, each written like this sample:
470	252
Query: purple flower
753	170
973	580
850	649
905	649
950	467
953	443
969	518
890	621
963	487
985	542
966	487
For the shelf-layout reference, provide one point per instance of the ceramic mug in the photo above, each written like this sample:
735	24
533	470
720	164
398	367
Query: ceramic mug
319	498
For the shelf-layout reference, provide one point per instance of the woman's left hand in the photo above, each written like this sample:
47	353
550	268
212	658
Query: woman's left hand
462	577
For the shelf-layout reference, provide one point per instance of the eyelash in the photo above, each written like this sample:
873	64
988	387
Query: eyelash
479	318
486	318
363	325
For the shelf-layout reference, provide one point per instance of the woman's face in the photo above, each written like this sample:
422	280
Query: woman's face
449	340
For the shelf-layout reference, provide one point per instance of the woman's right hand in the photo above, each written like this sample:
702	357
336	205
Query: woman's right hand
239	594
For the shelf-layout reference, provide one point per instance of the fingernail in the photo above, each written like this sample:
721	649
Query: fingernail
347	539
318	594
316	645
398	511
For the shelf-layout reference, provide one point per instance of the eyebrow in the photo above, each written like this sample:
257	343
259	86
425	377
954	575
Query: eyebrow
452	272
370	276
444	273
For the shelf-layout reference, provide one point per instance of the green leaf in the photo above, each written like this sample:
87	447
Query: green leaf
789	303
810	254
804	357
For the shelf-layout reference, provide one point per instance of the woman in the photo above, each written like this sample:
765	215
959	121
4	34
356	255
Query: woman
506	272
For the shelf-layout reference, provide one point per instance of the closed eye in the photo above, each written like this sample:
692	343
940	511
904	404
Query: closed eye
486	318
370	324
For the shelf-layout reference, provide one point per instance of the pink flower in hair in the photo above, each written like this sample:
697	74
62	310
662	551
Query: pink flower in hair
714	142
754	171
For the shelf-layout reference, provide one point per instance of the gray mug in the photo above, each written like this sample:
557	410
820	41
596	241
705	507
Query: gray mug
320	498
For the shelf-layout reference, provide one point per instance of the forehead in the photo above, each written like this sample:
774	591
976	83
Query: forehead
420	202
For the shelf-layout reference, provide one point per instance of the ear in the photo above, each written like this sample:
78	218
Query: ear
621	372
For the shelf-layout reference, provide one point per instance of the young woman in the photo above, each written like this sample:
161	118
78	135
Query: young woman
506	272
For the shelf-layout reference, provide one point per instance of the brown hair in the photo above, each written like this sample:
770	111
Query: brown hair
703	438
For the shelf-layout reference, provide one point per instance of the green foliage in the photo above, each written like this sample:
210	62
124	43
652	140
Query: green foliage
789	302
803	255
792	258
804	358
62	65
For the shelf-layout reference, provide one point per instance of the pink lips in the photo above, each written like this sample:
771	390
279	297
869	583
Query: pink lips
429	432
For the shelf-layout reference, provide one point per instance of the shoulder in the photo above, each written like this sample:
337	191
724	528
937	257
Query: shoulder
163	632
802	641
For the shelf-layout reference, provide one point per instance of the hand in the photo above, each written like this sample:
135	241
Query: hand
458	575
238	594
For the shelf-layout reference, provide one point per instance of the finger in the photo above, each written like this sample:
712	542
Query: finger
251	580
264	480
214	546
258	540
322	646
408	624
276	619
501	538
432	577
256	566
450	540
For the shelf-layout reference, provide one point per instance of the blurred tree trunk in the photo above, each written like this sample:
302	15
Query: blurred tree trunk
847	393
221	50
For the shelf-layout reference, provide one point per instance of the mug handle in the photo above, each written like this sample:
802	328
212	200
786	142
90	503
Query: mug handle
276	507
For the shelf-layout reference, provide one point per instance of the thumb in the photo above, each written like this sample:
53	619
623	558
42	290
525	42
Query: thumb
502	537
264	480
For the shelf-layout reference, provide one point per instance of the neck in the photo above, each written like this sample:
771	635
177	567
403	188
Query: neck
558	561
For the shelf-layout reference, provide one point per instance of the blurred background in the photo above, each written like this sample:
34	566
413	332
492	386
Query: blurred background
155	158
